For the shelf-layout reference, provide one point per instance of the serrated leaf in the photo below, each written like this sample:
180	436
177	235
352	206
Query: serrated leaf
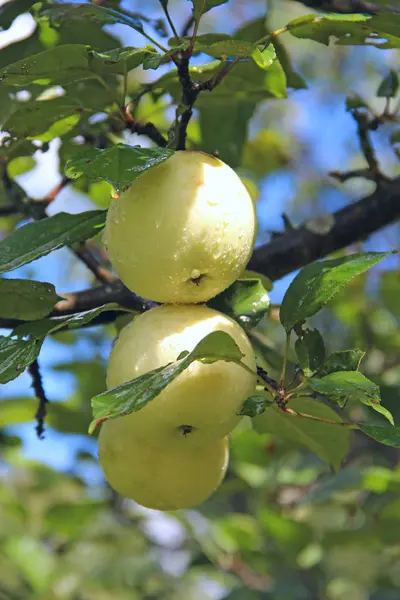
43	120
246	301
134	395
41	237
310	350
390	436
92	12
28	300
343	386
389	86
202	6
22	347
380	30
229	47
343	360
317	283
329	442
84	318
255	405
16	355
60	65
119	165
122	60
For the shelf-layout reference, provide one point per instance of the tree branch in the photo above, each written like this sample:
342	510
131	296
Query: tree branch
301	246
40	394
191	89
284	254
148	129
348	6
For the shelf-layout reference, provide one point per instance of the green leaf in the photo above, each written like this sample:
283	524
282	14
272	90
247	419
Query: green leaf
23	299
329	442
34	559
70	519
134	395
225	114
255	405
224	130
264	59
17	352
347	479
343	386
20	165
59	65
17	410
44	120
16	355
293	79
317	283
229	47
310	350
122	60
246	301
344	360
380	30
389	86
390	436
119	165
90	12
84	318
41	237
202	6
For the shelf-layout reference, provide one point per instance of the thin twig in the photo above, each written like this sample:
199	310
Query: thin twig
294	413
364	125
40	394
187	26
171	24
343	176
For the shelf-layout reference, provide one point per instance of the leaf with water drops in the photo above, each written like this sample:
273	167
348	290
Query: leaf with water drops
41	237
28	300
119	165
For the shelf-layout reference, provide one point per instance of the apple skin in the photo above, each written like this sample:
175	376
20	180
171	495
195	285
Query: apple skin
205	397
183	231
162	476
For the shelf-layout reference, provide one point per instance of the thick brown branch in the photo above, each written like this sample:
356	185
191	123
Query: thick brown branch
284	254
294	249
348	6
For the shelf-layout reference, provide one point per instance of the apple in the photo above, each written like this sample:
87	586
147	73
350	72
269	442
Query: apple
158	475
203	402
183	231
